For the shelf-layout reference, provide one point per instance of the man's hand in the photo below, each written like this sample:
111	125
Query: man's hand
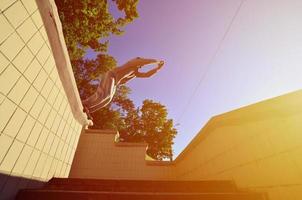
160	65
151	72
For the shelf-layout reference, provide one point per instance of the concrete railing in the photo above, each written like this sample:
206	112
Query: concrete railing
54	31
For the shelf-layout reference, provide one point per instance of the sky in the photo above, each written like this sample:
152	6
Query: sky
219	56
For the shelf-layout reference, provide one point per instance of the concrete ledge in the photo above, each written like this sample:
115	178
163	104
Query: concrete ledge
159	163
130	144
100	131
50	17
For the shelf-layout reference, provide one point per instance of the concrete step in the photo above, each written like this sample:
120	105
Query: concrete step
75	184
93	195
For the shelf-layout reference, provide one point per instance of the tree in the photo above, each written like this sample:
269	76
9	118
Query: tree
111	116
150	124
87	25
87	22
87	71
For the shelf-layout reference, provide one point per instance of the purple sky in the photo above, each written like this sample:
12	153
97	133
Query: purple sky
259	58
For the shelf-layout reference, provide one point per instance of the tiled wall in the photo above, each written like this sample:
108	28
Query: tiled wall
259	147
38	132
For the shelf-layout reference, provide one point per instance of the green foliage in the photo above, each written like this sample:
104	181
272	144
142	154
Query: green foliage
111	117
147	124
129	8
150	124
87	70
86	22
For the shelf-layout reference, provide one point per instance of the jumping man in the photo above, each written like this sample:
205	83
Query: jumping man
117	76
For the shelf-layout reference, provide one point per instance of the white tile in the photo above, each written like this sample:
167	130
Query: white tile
43	54
35	43
66	112
72	155
3	62
4	4
30	5
49	65
48	143
38	106
33	70
44	34
40	80
15	123
29	99
67	171
66	159
52	96
44	114
42	139
50	118
59	150
26	128
37	19
61	128
32	163
12	46
62	172
16	14
23	160
46	167
5	143
63	106
58	102
56	123
27	30
19	90
65	131
47	88
39	168
34	135
54	75
6	28
12	156
2	98
59	168
54	146
8	79
7	108
53	167
64	152
23	59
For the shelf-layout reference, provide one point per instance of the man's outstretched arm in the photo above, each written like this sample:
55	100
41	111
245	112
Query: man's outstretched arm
149	73
145	74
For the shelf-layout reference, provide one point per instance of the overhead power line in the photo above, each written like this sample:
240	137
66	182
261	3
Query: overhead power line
204	75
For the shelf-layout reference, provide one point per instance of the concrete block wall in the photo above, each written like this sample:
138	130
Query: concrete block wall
258	146
39	133
99	156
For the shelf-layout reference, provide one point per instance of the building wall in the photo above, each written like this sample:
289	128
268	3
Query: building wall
39	133
258	146
98	156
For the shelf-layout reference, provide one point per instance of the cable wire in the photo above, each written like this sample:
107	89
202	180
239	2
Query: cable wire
212	59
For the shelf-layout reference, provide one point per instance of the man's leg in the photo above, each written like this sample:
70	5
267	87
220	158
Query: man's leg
110	94
103	95
95	98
